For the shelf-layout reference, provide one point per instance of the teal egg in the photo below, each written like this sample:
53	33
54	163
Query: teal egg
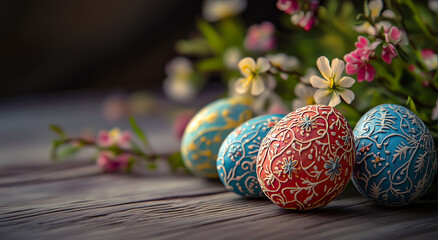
236	162
396	158
207	130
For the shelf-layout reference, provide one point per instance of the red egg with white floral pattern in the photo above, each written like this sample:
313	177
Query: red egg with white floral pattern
306	160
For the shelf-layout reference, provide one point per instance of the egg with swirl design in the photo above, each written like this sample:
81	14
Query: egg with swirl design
396	158
206	131
306	160
236	162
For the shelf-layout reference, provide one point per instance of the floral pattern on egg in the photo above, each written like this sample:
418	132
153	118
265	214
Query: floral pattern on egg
236	163
396	156
307	159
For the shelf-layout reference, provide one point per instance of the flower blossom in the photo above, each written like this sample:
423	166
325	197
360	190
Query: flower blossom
304	94
358	60
332	87
304	17
108	162
282	62
114	138
179	84
288	6
232	57
253	75
260	38
430	59
215	10
375	7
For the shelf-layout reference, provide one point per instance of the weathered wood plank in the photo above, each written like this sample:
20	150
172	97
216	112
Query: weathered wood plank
158	205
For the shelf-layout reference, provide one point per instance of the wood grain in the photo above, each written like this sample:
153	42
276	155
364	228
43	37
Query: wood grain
75	201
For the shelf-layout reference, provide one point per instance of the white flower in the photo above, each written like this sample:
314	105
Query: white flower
179	90
332	86
435	111
304	96
375	7
306	78
179	83
283	61
214	10
252	72
231	57
433	5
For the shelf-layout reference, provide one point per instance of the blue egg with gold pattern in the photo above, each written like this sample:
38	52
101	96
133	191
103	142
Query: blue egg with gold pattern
236	162
396	159
206	131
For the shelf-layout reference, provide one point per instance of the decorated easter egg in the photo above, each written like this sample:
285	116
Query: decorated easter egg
206	131
396	158
236	162
307	158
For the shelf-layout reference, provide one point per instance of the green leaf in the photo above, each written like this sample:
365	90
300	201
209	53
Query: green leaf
366	9
152	166
130	165
58	130
211	64
54	149
232	32
175	162
332	7
212	36
411	105
196	47
137	130
68	152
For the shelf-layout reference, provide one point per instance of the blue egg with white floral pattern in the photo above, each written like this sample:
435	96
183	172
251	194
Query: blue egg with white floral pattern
396	158
236	162
207	130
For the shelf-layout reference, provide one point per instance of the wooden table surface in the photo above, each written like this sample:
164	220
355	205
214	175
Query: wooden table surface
73	200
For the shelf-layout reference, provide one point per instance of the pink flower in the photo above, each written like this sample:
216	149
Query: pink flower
358	60
288	6
360	66
363	47
388	53
110	163
306	18
260	38
430	59
393	35
114	137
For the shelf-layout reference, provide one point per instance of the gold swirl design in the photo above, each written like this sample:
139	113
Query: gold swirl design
199	151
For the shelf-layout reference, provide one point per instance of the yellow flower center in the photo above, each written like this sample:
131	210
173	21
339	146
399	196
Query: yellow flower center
310	100
333	85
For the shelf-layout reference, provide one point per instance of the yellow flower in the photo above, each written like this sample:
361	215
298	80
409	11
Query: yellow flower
252	72
332	87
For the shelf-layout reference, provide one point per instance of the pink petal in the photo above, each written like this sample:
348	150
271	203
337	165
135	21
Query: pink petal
370	72
388	53
125	139
427	53
394	34
103	138
361	74
288	6
351	68
362	42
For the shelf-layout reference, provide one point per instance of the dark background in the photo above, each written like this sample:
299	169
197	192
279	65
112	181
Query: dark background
96	45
